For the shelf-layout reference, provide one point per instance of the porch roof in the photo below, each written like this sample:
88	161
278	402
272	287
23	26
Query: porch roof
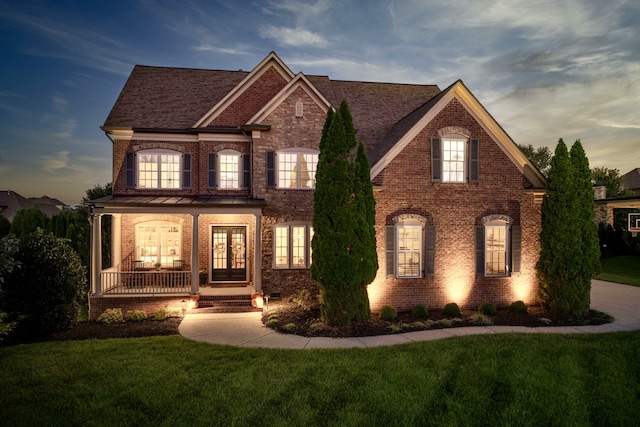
139	203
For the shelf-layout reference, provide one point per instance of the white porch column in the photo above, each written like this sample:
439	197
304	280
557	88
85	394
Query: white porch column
257	255
96	254
116	241
195	278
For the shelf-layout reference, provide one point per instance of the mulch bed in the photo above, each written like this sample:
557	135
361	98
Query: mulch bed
101	331
295	319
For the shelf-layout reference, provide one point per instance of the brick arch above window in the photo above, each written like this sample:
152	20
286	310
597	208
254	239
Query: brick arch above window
454	130
497	217
410	217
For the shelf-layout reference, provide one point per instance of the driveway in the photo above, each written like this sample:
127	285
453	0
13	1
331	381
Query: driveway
247	330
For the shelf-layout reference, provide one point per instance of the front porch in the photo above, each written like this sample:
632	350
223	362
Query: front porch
164	250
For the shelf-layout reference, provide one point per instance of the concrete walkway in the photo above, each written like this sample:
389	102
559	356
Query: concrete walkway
246	329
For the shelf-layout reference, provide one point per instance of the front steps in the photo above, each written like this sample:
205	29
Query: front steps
224	304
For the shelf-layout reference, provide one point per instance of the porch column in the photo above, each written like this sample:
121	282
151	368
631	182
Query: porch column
257	255
116	241
195	278
96	254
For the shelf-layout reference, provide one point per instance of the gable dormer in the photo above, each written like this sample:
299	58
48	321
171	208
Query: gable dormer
250	95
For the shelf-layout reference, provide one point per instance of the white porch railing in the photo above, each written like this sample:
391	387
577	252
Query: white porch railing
145	282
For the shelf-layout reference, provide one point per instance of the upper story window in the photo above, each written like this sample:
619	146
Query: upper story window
158	169
292	168
229	170
454	158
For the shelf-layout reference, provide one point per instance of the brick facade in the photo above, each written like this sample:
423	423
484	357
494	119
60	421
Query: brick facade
404	189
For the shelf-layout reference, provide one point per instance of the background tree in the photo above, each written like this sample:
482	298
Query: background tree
589	246
27	221
45	294
83	228
612	181
540	157
560	257
341	240
5	226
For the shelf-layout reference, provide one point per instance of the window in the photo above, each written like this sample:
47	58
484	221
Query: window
158	169
454	159
292	245
158	242
409	253
498	246
292	169
229	170
410	247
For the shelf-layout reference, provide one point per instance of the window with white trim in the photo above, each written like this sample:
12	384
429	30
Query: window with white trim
229	166
292	245
498	246
158	242
453	159
495	249
296	169
159	169
409	250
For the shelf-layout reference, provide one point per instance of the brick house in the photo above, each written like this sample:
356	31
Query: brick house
214	172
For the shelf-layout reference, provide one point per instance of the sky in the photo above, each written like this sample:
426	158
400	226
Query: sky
544	69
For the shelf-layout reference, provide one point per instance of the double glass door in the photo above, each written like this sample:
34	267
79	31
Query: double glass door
229	254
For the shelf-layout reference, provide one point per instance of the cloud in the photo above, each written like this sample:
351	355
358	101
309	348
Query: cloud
228	51
294	36
56	162
66	129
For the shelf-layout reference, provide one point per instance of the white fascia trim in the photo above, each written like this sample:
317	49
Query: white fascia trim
121	134
254	75
182	137
300	81
485	120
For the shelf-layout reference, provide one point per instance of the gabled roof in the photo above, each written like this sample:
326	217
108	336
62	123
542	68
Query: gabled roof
386	115
11	202
631	179
406	129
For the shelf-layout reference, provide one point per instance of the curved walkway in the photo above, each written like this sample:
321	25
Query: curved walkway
247	330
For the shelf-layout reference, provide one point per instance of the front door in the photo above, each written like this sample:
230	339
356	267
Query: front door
228	254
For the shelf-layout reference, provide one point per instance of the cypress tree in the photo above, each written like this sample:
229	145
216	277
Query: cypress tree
560	256
341	235
589	246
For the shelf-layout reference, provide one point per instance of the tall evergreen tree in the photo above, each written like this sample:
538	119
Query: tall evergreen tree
559	261
341	258
589	246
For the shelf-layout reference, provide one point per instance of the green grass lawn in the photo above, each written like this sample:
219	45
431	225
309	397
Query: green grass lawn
621	269
505	379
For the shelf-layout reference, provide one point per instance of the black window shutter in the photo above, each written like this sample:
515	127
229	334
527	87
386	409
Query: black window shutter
516	248
246	171
130	170
480	250
474	160
436	160
211	171
186	171
430	250
271	169
389	247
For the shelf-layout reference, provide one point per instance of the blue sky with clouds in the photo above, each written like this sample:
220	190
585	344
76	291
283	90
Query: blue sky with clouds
543	69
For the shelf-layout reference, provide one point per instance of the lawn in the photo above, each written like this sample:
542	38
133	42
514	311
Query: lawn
504	379
621	269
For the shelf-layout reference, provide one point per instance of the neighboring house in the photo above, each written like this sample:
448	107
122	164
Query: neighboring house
11	202
631	180
214	171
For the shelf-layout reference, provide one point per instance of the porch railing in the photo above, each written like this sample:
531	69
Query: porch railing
145	282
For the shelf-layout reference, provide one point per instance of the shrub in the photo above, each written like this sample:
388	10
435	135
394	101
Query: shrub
388	313
487	308
452	310
111	315
394	328
444	323
518	307
165	313
136	315
481	320
46	292
290	327
420	311
302	298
